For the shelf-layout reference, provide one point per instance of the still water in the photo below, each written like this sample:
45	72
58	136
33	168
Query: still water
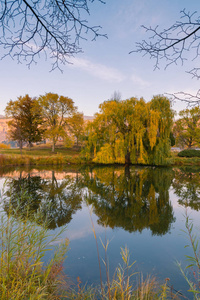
142	208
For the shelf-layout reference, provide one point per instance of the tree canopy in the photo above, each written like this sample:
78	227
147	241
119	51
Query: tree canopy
187	128
131	131
30	28
26	120
75	125
55	110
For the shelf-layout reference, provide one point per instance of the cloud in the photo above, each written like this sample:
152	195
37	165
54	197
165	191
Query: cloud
98	70
139	81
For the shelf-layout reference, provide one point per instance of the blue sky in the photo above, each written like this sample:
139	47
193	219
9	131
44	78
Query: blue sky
106	65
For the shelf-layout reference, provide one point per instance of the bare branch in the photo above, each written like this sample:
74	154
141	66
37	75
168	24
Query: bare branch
30	28
189	99
172	44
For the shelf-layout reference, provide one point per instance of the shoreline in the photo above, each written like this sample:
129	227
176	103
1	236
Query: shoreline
58	159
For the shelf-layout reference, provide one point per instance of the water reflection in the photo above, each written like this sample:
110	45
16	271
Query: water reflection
44	199
186	186
128	198
132	199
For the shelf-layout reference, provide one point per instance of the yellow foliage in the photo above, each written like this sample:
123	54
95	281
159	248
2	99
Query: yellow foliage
105	155
130	131
153	127
4	146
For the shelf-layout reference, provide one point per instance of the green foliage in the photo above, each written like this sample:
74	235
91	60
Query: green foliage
189	153
186	129
55	110
75	124
172	139
131	131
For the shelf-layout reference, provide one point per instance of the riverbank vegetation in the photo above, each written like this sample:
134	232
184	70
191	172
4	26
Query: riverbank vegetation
24	275
129	131
41	155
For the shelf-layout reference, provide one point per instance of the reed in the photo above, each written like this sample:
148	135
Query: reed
126	284
193	261
23	274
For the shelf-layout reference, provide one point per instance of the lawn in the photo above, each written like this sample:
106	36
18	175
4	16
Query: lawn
42	151
40	155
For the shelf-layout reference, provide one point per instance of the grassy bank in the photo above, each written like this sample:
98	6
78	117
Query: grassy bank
39	156
42	155
175	160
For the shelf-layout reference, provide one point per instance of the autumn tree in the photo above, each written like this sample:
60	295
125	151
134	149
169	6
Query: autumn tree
30	28
26	120
55	110
15	133
187	128
75	125
131	131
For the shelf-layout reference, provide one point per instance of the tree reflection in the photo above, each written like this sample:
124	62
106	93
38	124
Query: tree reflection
132	199
53	201
186	187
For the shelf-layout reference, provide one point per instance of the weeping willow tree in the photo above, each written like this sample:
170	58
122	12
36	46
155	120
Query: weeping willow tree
131	131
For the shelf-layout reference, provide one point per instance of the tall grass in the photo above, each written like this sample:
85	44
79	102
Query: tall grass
192	279
26	160
23	274
126	284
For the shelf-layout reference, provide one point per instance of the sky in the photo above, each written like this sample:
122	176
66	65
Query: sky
105	66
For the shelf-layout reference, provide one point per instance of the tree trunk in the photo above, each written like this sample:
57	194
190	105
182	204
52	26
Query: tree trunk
20	146
29	146
127	158
53	147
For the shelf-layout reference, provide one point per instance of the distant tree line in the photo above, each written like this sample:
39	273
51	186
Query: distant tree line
124	131
48	117
186	129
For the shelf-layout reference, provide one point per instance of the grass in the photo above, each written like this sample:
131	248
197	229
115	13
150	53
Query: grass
39	156
175	160
23	275
41	151
42	155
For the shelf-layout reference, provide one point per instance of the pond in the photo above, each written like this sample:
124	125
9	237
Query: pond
142	208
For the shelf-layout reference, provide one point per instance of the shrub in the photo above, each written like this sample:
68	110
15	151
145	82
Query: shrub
189	153
4	146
